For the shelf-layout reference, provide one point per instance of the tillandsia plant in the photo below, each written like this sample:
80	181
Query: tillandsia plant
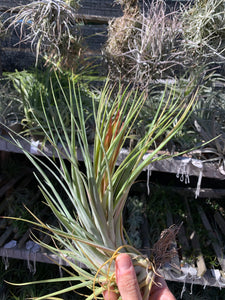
144	44
204	30
50	26
90	214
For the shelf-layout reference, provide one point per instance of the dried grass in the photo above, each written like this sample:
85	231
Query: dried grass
145	45
164	250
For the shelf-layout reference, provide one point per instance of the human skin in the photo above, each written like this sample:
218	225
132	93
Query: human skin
128	285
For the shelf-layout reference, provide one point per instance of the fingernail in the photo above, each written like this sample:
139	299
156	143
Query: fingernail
123	262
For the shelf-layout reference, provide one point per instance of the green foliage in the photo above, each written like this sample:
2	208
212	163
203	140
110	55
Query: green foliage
11	106
35	90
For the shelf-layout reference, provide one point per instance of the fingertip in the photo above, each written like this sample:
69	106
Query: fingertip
123	262
126	278
109	295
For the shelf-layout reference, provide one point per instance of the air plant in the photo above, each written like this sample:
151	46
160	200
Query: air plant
90	215
215	150
49	26
144	45
208	121
204	30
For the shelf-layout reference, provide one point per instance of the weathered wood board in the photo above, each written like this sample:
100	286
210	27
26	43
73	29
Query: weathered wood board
15	55
171	165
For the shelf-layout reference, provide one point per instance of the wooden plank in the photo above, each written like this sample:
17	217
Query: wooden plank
18	56
204	192
91	33
182	238
100	8
6	4
6	235
215	243
17	234
9	185
206	280
220	221
24	254
201	266
95	37
24	238
3	223
170	165
105	8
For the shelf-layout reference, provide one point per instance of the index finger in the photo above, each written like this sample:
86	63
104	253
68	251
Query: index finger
126	278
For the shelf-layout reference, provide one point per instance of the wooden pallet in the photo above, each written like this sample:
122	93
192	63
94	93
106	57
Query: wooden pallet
176	165
14	244
182	268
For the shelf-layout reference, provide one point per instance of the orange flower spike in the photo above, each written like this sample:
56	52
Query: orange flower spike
108	136
116	153
117	128
116	124
114	128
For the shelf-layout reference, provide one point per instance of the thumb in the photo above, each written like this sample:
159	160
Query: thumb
126	278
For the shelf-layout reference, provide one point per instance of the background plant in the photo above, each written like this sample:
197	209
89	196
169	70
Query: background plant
51	27
11	106
204	30
209	109
206	122
144	44
35	91
154	41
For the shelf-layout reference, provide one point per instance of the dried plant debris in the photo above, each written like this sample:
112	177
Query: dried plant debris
164	250
153	42
144	44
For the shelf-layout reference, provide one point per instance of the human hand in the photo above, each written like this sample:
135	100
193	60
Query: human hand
128	285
